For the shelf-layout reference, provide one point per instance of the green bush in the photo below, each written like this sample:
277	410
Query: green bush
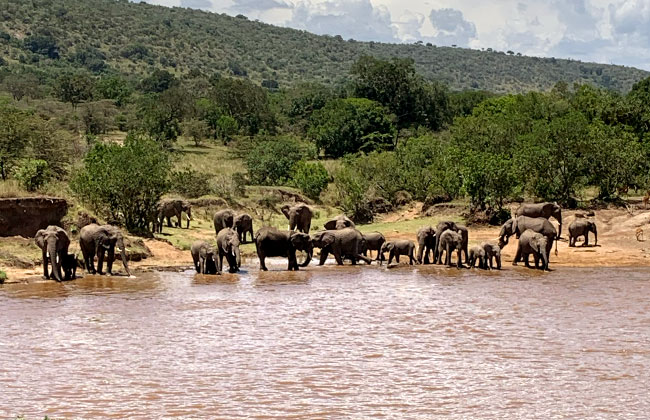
191	183
3	277
270	161
33	174
124	183
310	178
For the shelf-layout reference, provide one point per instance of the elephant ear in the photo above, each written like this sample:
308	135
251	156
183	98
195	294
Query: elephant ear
40	239
330	224
514	225
328	239
285	210
104	238
298	240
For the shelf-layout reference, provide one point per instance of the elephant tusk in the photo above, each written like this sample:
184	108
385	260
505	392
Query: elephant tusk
47	254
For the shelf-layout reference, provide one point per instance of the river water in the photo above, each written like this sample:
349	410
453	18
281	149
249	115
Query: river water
330	342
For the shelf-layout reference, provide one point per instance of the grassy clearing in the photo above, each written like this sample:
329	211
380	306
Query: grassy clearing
210	157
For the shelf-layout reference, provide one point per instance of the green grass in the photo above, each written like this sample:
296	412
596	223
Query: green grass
211	157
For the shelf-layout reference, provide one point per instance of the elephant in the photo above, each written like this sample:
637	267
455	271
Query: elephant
169	208
204	257
223	219
54	243
492	253
460	229
243	224
372	242
97	239
339	222
397	248
271	242
69	266
228	246
518	225
545	210
343	243
299	217
531	242
477	253
449	241
582	227
426	243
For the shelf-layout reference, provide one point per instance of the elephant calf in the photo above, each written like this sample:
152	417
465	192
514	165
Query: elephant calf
582	227
426	244
477	253
372	242
397	248
204	257
531	242
492	253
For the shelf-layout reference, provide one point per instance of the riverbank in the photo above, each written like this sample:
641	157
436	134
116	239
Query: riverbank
169	251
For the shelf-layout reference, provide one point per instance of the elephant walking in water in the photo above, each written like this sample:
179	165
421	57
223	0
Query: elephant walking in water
343	243
531	242
97	240
54	243
372	241
545	210
204	257
397	248
271	242
228	246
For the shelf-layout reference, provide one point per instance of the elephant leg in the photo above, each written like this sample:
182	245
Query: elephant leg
458	256
46	274
397	254
169	221
586	242
323	256
100	261
391	255
526	261
412	260
338	257
220	263
517	256
109	260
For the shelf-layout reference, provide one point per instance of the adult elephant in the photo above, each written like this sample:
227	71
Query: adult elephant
228	246
372	241
454	227
243	223
223	219
169	208
204	257
339	222
518	225
426	243
343	243
582	227
97	239
299	217
531	242
271	242
54	243
545	210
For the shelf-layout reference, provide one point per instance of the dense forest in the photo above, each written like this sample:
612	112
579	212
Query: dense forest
47	37
107	125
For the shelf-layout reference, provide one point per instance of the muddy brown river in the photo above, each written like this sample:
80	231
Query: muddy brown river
329	342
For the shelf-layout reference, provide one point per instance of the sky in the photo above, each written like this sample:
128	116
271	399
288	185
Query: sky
604	31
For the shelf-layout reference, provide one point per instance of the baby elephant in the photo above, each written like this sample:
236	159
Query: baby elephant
205	257
582	227
531	242
477	253
397	248
69	266
492	253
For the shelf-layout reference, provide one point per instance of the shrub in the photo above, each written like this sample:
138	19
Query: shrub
310	178
270	161
126	182
191	183
3	276
33	174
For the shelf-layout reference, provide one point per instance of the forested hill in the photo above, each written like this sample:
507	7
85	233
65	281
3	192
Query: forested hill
133	38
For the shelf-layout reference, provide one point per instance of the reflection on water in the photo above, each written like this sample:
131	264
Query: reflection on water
330	342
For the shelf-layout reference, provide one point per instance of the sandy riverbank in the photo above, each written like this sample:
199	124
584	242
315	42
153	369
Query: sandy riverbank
617	244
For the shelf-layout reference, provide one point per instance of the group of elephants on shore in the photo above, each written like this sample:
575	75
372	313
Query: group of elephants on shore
339	238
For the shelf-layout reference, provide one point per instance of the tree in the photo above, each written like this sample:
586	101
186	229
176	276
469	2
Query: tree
396	85
21	85
160	115
226	128
43	44
32	174
114	88
350	125
90	58
270	161
74	88
195	129
125	182
14	137
159	81
310	178
245	102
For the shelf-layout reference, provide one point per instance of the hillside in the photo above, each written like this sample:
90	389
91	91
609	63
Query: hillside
134	38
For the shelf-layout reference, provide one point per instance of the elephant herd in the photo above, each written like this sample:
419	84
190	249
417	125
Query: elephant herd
340	238
94	240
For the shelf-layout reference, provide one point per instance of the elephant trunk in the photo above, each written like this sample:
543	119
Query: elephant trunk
237	257
595	236
56	267
189	217
544	258
310	254
124	261
292	222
